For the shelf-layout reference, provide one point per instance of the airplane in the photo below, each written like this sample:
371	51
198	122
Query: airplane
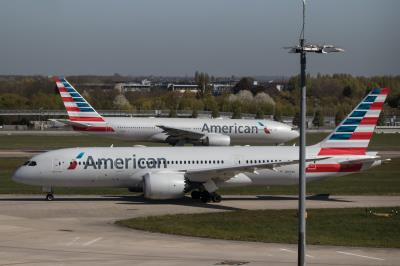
175	131
171	172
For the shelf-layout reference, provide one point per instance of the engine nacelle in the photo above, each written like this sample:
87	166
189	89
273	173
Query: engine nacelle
164	185
216	140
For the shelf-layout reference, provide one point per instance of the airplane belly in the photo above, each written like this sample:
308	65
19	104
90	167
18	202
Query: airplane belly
89	179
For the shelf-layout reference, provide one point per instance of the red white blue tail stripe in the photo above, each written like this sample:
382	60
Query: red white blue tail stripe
79	110
352	136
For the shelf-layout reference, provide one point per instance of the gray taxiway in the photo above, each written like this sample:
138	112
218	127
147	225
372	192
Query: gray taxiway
80	230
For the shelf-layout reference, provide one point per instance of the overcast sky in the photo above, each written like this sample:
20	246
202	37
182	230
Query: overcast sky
178	37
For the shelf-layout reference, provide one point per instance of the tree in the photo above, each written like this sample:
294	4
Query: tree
278	114
237	112
296	119
259	114
245	83
381	119
121	102
215	111
339	116
195	114
202	80
347	91
318	120
172	113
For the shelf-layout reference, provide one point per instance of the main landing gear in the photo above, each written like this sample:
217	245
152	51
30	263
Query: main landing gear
206	196
49	191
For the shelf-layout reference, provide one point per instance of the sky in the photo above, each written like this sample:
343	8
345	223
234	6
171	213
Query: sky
178	37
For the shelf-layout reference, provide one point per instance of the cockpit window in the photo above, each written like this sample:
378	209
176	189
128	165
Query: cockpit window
32	163
25	163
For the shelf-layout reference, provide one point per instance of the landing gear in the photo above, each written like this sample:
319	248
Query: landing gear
196	194
49	197
216	197
206	196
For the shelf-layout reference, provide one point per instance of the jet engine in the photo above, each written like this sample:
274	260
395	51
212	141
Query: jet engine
164	185
216	140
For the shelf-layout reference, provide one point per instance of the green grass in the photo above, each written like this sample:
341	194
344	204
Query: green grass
56	142
349	227
378	142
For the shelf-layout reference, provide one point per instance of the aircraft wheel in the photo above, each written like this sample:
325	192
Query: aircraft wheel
205	197
216	197
49	197
195	194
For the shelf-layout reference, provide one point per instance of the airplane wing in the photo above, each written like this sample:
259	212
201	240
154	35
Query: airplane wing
225	173
71	123
181	133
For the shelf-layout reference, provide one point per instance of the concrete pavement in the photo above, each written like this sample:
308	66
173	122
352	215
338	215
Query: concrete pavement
80	230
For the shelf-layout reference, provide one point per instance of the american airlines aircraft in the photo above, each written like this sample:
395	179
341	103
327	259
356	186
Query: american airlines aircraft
175	131
171	172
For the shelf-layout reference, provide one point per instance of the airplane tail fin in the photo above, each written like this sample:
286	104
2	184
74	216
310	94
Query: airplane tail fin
81	114
354	133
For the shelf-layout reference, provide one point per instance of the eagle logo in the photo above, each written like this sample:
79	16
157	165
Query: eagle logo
264	128
73	164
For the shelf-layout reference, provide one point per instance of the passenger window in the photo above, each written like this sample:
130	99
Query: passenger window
32	163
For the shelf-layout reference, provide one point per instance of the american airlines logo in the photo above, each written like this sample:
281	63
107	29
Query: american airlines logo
237	129
125	163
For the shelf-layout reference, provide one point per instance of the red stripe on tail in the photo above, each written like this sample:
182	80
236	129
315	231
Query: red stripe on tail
369	121
93	129
342	151
67	99
86	119
385	91
72	109
333	168
361	135
62	89
376	106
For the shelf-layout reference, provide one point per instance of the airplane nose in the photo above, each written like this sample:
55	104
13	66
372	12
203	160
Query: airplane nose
17	176
295	133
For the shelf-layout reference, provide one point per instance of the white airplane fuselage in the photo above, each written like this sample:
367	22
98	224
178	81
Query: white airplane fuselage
240	131
126	166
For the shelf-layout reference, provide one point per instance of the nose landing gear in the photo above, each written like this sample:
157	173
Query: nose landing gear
49	191
49	197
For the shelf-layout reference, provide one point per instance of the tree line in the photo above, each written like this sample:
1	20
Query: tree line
327	95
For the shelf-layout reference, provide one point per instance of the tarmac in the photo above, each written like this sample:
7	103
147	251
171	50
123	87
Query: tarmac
80	230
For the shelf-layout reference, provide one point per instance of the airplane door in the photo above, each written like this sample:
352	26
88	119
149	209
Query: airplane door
57	165
238	159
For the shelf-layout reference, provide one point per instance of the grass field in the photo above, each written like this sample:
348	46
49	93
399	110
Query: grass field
378	142
349	227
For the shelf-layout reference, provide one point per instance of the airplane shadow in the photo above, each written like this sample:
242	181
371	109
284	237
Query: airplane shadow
185	201
123	199
318	197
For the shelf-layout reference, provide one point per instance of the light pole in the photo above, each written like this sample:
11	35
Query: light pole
302	49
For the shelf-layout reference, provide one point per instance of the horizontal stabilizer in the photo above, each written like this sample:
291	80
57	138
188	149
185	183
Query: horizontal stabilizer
71	123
